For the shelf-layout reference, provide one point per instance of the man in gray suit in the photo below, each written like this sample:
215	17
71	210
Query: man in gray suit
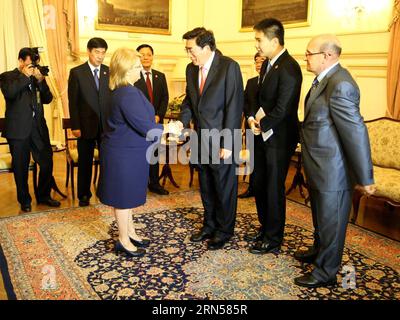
336	154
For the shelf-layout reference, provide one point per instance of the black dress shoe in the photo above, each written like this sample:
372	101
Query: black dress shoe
309	281
120	248
50	202
84	201
26	207
200	236
253	237
216	243
141	244
263	248
247	194
158	190
307	256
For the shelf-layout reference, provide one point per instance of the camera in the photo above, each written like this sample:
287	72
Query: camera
35	57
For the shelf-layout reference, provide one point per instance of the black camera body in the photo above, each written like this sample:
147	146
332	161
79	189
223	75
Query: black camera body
35	57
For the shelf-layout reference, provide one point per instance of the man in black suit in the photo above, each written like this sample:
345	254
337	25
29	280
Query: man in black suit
214	100
279	95
154	86
89	99
25	91
251	103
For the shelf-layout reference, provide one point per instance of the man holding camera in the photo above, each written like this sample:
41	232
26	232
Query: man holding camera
25	91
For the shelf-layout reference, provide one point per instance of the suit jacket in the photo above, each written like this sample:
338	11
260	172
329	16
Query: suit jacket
21	100
335	143
88	108
279	96
220	106
160	92
251	97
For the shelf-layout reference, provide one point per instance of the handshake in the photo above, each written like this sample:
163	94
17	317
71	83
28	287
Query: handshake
174	128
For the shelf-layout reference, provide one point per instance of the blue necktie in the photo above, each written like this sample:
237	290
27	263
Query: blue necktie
269	66
314	84
96	78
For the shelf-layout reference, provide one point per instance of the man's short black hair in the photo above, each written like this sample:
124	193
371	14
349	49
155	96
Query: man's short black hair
272	28
203	37
258	54
96	43
145	46
26	52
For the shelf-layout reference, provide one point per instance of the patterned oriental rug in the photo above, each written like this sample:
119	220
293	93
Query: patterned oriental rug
68	254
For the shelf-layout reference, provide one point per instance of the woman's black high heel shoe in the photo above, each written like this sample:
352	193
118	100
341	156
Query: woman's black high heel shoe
120	248
141	244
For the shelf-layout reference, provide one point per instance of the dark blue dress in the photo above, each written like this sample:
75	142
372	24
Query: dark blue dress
124	170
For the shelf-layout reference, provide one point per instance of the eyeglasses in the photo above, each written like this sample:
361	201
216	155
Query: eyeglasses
190	50
307	54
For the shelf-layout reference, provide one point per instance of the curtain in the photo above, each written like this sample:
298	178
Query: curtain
13	36
393	76
34	18
57	45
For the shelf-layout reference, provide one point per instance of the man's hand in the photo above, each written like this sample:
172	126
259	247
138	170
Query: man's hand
76	133
254	126
366	190
225	154
157	119
38	75
28	70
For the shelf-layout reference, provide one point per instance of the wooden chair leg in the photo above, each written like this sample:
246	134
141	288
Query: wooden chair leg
356	205
191	175
67	180
72	181
35	180
95	174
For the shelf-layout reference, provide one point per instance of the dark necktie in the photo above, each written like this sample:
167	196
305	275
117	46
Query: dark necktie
96	78
149	88
313	87
269	66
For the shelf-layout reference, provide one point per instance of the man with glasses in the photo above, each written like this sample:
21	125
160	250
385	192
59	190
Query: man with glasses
336	156
279	94
214	101
154	86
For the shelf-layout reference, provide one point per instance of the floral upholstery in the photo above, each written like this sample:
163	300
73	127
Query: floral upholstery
5	162
74	154
384	135
387	183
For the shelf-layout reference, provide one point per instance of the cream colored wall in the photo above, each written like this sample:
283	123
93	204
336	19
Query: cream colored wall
364	38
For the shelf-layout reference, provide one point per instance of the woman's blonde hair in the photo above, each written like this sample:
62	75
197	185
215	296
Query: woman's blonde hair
121	63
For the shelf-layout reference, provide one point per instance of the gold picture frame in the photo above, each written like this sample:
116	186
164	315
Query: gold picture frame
292	13
138	16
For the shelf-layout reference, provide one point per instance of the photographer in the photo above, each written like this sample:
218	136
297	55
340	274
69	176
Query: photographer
25	91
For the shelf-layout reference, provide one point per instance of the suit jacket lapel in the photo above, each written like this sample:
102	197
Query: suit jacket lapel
317	92
211	73
274	68
103	80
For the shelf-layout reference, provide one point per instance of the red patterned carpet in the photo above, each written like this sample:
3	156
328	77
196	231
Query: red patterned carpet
68	254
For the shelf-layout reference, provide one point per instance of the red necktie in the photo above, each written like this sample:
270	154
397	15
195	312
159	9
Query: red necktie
149	88
202	79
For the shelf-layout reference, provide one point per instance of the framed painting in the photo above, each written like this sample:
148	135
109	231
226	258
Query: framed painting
140	16
292	13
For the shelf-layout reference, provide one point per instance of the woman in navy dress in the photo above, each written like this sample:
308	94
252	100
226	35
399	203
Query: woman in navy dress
124	169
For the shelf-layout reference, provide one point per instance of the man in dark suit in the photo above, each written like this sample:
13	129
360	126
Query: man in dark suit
279	95
154	86
251	103
214	100
25	91
89	99
336	154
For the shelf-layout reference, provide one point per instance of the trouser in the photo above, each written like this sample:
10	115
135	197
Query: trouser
330	212
218	188
85	165
42	153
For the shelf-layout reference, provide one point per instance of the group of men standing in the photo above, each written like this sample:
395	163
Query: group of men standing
334	139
